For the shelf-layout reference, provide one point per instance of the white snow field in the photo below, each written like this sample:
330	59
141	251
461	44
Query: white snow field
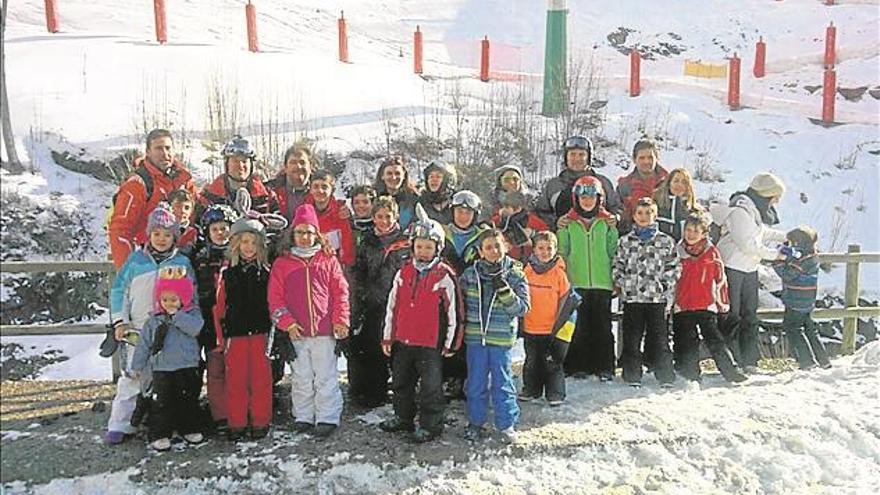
795	432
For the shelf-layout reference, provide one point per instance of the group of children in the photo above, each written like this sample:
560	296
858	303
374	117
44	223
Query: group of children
231	302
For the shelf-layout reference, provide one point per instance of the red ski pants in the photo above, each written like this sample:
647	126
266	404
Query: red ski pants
248	382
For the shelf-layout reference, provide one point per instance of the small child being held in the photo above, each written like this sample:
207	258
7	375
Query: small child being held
799	271
168	347
421	324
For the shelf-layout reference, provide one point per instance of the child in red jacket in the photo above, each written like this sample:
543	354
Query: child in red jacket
700	295
334	228
308	298
241	320
420	328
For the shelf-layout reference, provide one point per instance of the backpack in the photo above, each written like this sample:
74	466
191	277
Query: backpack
145	176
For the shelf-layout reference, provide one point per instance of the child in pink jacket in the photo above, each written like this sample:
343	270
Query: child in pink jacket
308	298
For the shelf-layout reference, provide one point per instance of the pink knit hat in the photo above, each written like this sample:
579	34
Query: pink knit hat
305	215
174	279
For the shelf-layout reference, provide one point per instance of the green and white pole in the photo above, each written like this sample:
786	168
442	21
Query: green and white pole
555	58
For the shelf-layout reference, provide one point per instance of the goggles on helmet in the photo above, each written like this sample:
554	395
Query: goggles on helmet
471	201
586	190
577	142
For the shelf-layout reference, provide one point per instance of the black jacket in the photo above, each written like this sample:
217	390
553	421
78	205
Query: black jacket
247	301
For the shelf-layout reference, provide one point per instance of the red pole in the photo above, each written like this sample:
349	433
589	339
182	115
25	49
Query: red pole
829	88
830	40
417	51
829	2
343	38
733	83
51	16
484	60
161	25
635	67
760	57
250	12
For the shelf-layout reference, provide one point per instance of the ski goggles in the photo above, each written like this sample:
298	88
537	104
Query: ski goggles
467	201
577	142
238	147
586	190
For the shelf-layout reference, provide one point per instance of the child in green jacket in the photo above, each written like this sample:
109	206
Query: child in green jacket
588	243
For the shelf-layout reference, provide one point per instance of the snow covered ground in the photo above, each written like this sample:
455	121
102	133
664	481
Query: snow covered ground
84	87
794	432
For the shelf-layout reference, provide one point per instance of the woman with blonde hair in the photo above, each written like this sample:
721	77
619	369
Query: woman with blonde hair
675	199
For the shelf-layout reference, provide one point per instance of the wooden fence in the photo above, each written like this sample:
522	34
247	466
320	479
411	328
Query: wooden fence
849	314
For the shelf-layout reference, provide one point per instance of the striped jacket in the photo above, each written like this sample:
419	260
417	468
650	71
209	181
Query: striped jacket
490	318
132	296
800	279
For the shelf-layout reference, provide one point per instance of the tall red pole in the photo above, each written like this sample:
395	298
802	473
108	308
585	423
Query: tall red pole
830	40
484	60
161	24
829	88
733	83
417	51
760	58
250	12
51	16
343	38
635	68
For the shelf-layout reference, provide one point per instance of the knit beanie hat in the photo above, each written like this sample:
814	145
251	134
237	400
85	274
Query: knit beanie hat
767	185
246	224
163	218
174	279
305	215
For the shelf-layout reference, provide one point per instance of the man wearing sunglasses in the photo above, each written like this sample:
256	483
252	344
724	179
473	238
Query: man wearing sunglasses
555	199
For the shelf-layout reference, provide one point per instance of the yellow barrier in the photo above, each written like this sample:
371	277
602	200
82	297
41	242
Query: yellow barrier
696	68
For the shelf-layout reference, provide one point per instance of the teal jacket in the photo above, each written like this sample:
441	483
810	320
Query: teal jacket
492	318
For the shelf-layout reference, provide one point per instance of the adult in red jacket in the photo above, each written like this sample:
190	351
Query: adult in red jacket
136	199
642	181
238	159
335	229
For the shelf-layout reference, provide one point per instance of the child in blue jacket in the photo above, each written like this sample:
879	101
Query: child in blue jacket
800	276
496	296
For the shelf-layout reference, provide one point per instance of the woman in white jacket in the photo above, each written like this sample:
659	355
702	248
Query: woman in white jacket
745	237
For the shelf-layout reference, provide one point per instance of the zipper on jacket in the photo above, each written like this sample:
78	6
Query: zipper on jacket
309	296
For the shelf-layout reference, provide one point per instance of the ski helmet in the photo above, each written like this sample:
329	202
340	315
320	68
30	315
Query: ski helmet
425	228
218	213
578	143
467	199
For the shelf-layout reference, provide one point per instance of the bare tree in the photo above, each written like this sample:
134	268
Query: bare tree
13	164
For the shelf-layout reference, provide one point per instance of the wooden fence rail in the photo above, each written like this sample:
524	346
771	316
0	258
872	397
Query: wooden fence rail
849	314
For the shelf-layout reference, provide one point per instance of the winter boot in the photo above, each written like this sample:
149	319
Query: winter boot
324	430
395	424
421	435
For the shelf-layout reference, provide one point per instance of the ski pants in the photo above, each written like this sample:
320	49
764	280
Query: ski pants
175	402
216	366
485	363
800	329
248	380
742	331
424	366
314	389
687	343
639	320
592	345
127	390
541	373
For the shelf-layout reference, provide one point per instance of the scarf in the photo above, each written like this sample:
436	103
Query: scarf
305	253
423	266
159	256
645	233
488	270
387	237
696	248
769	216
362	224
541	267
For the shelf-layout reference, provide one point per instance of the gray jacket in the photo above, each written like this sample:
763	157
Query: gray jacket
181	349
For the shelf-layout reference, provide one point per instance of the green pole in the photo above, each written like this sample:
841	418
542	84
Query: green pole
555	59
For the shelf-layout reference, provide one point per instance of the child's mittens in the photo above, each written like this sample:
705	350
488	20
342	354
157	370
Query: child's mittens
500	285
789	252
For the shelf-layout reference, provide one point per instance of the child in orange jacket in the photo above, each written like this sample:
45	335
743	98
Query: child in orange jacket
549	323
